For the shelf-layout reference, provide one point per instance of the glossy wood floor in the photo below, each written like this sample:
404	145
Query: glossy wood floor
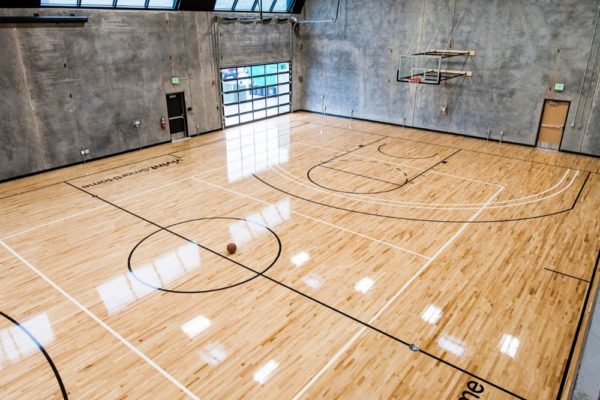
373	262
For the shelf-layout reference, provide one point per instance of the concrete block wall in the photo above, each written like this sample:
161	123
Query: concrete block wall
523	48
65	88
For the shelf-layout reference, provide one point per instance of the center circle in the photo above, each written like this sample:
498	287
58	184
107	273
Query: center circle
175	257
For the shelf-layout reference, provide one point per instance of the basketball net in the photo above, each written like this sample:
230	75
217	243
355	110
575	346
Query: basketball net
413	83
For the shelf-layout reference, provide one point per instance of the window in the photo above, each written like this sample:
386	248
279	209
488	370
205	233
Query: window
255	92
147	4
268	6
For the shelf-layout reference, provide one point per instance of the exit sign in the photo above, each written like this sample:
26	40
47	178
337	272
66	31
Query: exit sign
175	80
559	87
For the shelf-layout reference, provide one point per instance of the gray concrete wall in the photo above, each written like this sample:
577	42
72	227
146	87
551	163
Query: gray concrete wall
247	44
64	88
523	48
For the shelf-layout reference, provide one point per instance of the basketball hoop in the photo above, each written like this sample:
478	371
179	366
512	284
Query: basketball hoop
413	82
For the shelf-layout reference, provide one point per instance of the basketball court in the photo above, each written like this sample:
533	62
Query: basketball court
373	261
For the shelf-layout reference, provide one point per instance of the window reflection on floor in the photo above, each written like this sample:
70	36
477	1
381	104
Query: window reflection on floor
16	344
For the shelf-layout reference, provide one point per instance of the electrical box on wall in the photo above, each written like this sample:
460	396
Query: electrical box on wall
444	109
559	87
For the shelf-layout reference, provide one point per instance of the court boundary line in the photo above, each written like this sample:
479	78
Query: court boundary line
355	319
578	331
100	322
567	275
443	133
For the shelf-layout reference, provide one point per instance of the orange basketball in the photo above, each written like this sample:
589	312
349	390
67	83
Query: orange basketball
231	248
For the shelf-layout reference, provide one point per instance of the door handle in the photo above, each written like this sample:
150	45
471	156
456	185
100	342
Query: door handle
552	126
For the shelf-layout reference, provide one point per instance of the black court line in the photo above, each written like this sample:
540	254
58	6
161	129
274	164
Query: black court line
309	177
453	147
360	146
578	331
41	348
403	158
166	229
580	190
258	273
398	185
432	167
31	190
567	275
362	176
431	220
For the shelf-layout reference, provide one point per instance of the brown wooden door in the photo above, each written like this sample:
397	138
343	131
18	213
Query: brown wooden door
553	123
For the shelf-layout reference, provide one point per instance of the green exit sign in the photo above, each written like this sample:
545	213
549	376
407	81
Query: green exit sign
559	87
175	80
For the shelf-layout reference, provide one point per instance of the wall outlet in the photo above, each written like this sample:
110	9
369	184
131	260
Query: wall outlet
87	151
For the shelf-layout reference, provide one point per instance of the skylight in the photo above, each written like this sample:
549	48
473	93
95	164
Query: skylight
275	6
144	4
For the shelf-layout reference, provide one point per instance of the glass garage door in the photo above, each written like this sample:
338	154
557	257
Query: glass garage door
255	92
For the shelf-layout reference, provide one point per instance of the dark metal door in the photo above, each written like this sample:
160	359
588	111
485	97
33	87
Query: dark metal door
176	112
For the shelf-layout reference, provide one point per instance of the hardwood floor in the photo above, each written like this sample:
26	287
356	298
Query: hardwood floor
372	261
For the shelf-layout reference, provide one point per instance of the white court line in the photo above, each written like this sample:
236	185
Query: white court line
63	219
102	323
55	221
454	176
390	301
403	165
316	219
383	202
